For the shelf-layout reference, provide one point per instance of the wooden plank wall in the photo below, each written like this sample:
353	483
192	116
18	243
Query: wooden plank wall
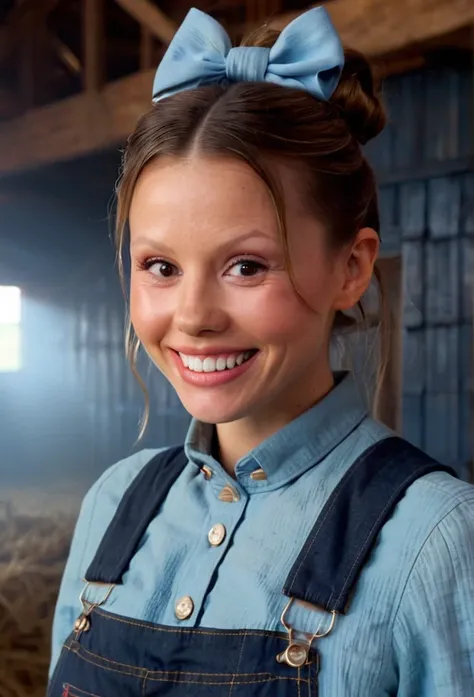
425	165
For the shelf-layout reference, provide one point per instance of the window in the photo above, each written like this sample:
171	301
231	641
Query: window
10	329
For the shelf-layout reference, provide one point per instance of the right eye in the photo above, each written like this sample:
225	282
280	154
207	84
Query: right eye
160	268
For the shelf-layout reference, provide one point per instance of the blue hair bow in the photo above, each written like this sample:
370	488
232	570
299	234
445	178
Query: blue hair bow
307	55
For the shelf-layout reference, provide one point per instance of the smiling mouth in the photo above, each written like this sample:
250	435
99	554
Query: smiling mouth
216	364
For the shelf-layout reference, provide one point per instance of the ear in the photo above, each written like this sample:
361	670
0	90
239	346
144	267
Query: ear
359	268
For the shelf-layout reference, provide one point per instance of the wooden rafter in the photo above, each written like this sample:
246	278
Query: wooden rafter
93	32
93	121
146	49
377	27
150	17
75	126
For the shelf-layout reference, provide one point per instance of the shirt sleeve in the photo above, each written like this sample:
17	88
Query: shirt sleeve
68	606
434	627
91	525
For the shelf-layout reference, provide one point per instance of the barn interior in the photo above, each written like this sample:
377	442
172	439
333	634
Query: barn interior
75	75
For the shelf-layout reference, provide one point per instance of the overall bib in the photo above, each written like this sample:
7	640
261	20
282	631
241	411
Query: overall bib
108	655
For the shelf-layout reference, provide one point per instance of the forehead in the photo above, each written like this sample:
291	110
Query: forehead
203	191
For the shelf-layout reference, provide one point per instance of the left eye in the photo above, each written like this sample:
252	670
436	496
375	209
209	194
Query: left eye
246	268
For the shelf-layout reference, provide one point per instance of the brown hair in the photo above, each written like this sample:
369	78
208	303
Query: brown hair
255	121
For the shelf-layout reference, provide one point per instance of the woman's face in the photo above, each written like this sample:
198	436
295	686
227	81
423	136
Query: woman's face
211	298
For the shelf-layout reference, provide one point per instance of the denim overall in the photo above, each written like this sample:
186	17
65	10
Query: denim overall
109	655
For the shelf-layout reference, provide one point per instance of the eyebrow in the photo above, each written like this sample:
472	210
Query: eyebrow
150	241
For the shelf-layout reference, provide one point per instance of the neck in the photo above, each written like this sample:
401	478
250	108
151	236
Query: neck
237	438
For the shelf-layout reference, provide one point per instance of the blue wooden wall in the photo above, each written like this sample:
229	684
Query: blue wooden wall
425	163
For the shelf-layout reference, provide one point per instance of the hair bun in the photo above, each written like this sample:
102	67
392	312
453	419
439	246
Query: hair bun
358	97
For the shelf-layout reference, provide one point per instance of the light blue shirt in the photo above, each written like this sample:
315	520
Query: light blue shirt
410	628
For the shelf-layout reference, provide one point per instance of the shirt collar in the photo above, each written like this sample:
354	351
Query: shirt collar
292	450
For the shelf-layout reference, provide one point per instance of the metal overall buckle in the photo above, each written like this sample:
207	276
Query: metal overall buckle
83	623
297	653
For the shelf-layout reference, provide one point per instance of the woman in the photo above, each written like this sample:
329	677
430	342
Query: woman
295	546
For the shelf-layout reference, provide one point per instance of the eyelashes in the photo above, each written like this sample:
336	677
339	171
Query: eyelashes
248	267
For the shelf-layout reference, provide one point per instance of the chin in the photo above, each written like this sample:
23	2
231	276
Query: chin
212	412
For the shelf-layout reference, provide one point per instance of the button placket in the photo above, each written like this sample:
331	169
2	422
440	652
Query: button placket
222	518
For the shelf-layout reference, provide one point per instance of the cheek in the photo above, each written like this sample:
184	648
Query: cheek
280	315
149	313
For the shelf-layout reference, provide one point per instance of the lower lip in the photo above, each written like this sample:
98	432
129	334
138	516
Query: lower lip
218	377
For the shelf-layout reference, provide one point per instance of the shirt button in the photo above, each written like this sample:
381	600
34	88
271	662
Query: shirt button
207	472
217	535
258	475
184	608
229	494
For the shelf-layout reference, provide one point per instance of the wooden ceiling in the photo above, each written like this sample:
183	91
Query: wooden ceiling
42	45
76	74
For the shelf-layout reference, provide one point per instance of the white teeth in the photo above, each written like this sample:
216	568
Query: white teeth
211	365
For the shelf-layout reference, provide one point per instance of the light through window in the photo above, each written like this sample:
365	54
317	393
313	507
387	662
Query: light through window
10	329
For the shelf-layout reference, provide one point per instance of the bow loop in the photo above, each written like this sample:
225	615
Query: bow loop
247	64
308	55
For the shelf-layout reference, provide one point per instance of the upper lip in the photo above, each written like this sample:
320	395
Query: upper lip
221	351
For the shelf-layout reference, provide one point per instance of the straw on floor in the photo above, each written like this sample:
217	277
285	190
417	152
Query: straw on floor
33	551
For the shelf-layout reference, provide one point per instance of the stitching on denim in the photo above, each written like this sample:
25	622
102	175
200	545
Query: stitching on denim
382	514
109	660
82	692
177	679
145	678
198	631
335	494
161	672
106	667
238	664
272	678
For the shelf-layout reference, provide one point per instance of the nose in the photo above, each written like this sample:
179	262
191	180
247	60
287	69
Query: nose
200	308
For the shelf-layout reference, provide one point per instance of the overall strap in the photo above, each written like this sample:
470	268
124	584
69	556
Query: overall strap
136	510
328	566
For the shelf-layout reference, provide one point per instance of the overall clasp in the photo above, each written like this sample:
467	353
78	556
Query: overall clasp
297	653
82	624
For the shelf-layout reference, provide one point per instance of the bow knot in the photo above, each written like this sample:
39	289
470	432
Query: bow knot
247	64
308	55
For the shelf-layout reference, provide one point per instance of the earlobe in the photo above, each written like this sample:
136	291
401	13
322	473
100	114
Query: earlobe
359	268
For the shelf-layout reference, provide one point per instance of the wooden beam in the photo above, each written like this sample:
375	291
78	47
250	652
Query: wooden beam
96	121
27	66
151	17
75	126
67	57
146	49
93	41
376	27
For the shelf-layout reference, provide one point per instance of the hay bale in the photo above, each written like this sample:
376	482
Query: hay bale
33	553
